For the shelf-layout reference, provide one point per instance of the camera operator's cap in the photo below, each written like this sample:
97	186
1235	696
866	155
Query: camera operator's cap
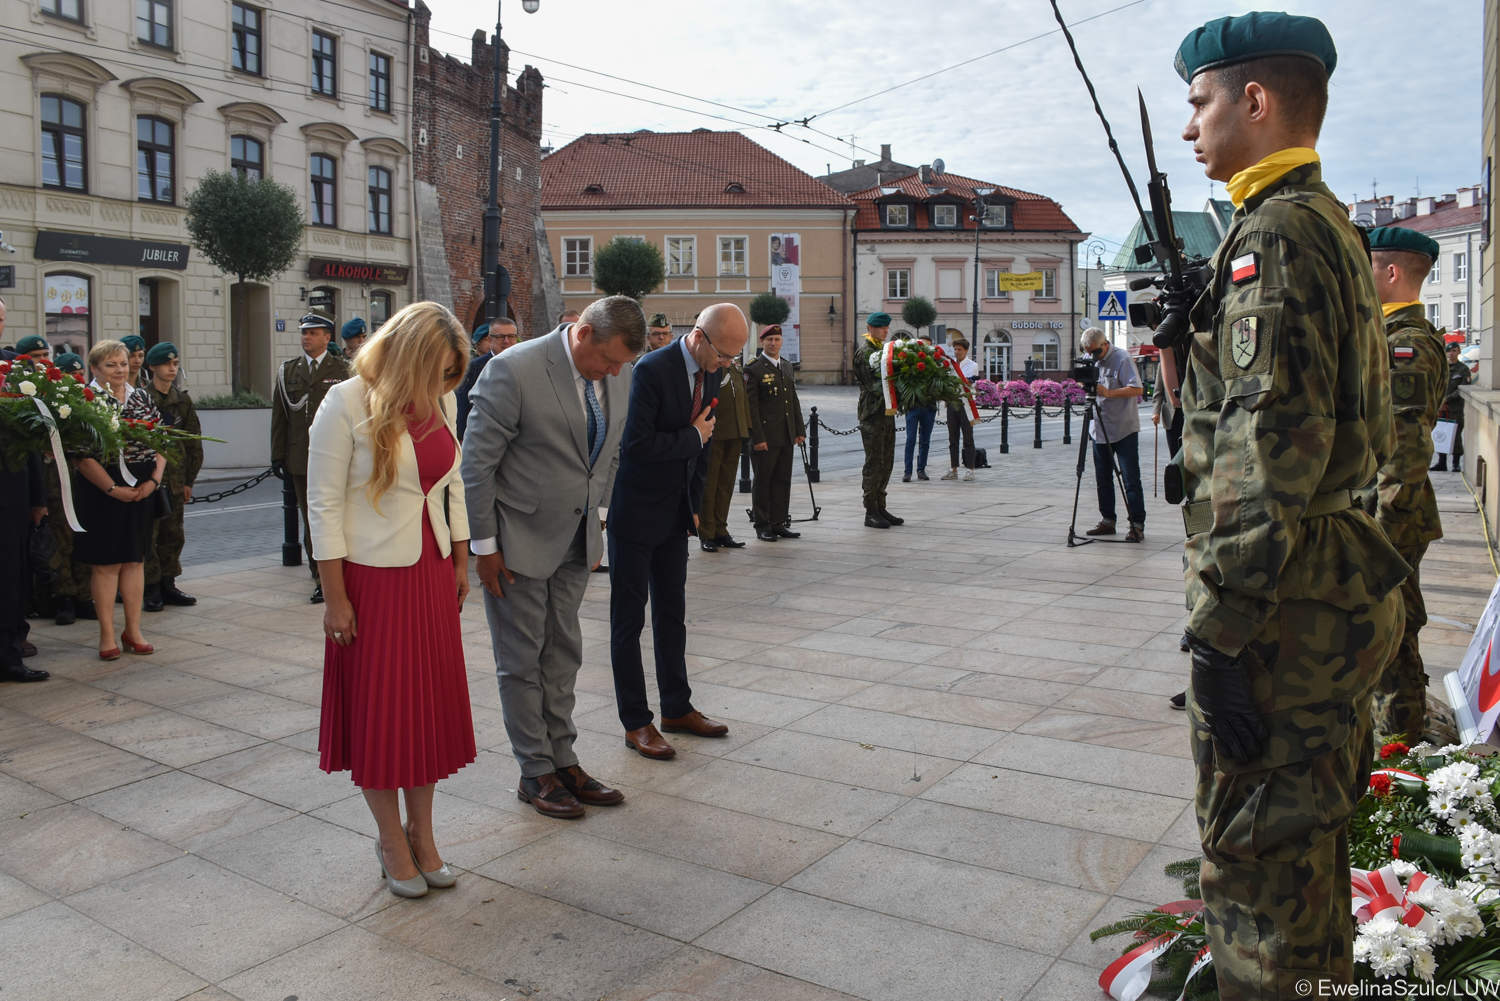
312	320
68	362
480	333
164	352
658	320
1401	238
30	343
354	328
1256	35
774	328
878	320
134	342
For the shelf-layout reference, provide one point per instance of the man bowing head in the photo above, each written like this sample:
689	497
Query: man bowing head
663	465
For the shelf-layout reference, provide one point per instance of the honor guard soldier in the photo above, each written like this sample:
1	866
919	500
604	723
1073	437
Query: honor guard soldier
776	419
1291	586
877	425
176	406
72	598
136	345
1406	507
658	332
353	335
734	424
33	347
1453	405
301	384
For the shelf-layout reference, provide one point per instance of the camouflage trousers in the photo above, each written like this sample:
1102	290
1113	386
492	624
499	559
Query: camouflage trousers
1274	831
879	435
1401	695
73	578
167	540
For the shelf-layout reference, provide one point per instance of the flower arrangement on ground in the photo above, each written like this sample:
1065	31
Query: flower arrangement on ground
1017	393
986	393
913	374
38	399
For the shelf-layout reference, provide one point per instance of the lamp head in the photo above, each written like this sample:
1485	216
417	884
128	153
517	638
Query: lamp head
530	6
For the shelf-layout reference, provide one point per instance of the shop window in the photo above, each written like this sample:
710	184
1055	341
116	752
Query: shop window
324	190
154	160
65	304
63	144
380	309
1046	350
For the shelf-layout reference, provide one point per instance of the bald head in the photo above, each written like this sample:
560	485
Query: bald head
719	336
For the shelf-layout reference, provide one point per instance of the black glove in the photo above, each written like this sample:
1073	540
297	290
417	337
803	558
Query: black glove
1222	692
278	469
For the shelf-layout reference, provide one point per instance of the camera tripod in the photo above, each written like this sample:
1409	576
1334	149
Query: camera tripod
1091	415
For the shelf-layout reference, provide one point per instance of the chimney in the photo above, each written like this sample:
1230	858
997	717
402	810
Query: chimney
859	163
1468	197
1424	206
924	172
1406	209
885	152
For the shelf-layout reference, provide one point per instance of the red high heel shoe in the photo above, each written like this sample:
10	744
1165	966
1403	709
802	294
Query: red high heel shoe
111	654
140	648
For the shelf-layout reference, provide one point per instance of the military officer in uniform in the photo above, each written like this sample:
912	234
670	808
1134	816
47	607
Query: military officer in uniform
353	334
70	588
136	345
776	415
176	407
1291	586
877	425
735	423
301	384
658	332
1453	406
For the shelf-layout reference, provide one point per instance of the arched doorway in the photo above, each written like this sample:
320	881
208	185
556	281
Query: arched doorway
997	356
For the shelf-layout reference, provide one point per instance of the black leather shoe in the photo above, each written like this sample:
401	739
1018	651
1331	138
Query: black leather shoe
921	475
1182	644
765	535
891	517
151	600
172	596
86	608
317	596
728	542
1179	701
906	477
709	545
874	520
787	533
66	612
23	673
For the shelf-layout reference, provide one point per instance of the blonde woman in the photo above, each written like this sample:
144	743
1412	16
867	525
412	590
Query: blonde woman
116	510
386	502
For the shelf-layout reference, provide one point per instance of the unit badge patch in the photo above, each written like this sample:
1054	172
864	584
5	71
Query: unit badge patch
1242	269
1403	387
1244	341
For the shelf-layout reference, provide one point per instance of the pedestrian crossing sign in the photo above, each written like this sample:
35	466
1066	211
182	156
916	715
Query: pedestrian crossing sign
1112	305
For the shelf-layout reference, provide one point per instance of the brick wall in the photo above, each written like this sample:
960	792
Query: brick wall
451	151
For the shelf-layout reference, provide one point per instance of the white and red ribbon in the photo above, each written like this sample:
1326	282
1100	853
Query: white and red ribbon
64	478
1128	977
888	377
1400	773
1379	893
971	410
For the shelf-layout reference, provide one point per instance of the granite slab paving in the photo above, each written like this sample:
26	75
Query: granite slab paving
950	757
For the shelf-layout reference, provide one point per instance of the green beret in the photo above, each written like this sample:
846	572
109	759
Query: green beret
164	352
1228	40
134	342
68	362
480	333
658	320
30	343
1401	238
878	320
354	328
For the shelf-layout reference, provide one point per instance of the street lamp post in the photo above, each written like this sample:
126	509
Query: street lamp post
1095	249
491	257
980	194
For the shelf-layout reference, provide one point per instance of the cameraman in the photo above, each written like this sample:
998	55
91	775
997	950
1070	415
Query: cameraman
1116	433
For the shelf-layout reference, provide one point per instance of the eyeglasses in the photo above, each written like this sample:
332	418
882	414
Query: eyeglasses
726	359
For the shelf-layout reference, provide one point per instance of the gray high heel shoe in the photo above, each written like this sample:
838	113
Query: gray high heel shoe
414	887
440	878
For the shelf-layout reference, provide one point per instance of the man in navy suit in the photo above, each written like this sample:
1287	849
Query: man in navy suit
664	457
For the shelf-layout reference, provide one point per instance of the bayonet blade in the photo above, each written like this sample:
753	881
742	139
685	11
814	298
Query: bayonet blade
1146	134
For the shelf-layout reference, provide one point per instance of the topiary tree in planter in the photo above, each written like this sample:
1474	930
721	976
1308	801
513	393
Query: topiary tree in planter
768	308
626	266
919	312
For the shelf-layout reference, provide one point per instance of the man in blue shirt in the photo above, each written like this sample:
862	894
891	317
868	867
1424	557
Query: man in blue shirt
1116	433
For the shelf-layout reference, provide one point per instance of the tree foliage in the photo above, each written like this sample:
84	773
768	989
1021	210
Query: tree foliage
249	229
626	266
768	308
919	312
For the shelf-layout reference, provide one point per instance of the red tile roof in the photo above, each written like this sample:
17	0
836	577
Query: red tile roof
1448	215
679	170
1033	212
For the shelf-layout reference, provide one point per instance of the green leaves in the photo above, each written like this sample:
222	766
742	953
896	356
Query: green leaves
919	311
250	229
768	308
628	266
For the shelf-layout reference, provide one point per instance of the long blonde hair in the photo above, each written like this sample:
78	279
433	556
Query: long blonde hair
407	368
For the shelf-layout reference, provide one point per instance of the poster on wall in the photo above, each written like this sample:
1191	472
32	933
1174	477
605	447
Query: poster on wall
65	294
786	281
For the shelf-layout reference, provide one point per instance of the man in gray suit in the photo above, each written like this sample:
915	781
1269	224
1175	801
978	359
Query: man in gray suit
539	463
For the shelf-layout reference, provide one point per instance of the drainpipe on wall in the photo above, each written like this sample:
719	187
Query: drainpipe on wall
412	236
1072	300
844	295
852	309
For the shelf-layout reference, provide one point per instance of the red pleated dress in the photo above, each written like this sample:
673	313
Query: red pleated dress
396	700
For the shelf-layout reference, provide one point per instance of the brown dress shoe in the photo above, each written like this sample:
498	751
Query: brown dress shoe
695	722
549	797
588	789
1103	528
648	743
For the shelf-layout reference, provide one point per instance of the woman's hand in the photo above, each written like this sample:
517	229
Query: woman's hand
123	494
461	576
338	620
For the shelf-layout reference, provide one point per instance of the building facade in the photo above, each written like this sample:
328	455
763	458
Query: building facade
916	235
1482	399
731	218
1455	222
116	110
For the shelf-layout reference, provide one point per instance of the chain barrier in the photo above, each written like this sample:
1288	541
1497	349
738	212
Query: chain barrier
241	488
1017	413
825	427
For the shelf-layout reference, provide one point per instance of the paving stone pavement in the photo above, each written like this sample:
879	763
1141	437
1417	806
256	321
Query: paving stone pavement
950	757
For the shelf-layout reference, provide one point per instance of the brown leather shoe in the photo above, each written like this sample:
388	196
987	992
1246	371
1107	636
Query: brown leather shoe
695	722
549	797
650	744
587	788
1103	528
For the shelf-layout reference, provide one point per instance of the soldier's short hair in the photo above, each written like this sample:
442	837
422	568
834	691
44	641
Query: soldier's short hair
1414	267
617	316
1301	83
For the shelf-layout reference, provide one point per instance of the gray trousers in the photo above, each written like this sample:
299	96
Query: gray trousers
538	650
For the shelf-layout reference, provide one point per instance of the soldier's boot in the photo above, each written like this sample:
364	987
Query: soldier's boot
172	596
85	608
66	613
874	519
891	517
151	600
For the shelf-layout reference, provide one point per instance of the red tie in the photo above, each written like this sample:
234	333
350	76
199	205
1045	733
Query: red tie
697	392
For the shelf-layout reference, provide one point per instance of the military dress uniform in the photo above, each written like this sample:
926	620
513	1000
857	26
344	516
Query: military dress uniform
877	427
300	389
162	560
1291	585
777	415
733	424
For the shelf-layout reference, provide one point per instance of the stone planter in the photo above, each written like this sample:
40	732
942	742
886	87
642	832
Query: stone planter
247	438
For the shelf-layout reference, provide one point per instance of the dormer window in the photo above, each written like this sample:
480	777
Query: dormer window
594	189
997	216
734	188
945	216
897	216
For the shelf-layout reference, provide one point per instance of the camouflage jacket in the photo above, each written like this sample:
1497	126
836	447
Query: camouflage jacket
871	406
1288	411
1419	379
1453	402
177	409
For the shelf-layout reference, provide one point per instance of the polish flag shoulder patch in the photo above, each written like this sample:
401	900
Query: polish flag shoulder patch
1242	269
1403	353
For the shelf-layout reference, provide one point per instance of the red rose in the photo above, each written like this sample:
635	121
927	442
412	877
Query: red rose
151	425
1395	749
921	366
4	368
88	394
1380	785
55	374
938	351
79	377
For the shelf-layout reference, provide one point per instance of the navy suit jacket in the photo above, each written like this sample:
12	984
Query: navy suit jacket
476	366
663	466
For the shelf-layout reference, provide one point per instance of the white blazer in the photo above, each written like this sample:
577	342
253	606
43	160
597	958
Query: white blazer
341	459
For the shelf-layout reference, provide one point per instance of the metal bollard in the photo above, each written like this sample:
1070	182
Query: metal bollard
813	474
745	466
291	543
1004	428
1037	441
1067	422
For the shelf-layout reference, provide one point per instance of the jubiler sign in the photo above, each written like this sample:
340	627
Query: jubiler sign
353	271
110	250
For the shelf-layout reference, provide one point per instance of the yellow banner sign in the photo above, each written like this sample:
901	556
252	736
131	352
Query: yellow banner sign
1031	281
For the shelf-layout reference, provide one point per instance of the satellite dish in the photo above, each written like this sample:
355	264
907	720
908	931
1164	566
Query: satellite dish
937	167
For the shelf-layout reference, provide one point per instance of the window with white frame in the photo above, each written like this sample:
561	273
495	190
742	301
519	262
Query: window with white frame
578	257
1436	274
1046	350
945	216
732	255
1049	283
950	283
898	216
1461	267
680	254
997	215
898	283
1435	313
992	289
1460	315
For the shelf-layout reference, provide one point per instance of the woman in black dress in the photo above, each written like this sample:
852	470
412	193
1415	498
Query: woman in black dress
114	505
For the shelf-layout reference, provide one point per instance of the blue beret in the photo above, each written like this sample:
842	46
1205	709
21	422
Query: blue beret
1229	40
134	342
878	320
315	320
353	328
30	343
68	362
480	332
1401	238
164	352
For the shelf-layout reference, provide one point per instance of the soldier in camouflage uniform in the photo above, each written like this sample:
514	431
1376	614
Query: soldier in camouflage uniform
1291	586
877	425
176	406
72	599
1405	506
1452	408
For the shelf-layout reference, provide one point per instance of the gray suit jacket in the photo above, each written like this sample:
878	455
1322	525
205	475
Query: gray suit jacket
526	463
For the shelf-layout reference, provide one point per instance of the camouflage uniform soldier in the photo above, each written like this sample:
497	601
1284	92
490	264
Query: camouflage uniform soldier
1453	406
877	426
1407	507
176	406
72	599
1291	585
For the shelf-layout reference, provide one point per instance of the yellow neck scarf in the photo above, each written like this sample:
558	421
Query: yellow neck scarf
1253	180
1391	307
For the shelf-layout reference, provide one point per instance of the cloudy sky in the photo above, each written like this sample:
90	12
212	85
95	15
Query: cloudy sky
1403	112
